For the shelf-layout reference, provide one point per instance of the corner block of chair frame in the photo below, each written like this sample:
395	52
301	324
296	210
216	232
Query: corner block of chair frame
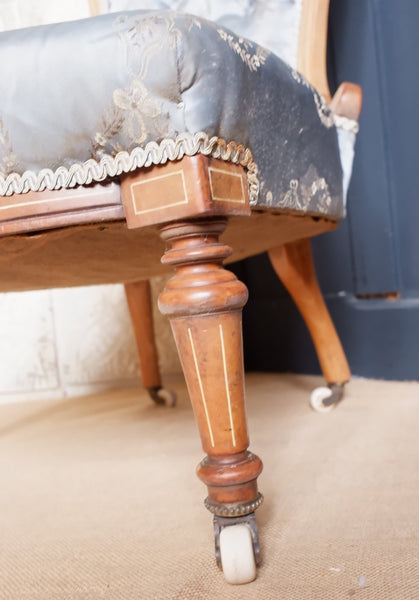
193	186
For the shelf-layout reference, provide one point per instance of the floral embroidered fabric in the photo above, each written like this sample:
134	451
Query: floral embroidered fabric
85	100
273	24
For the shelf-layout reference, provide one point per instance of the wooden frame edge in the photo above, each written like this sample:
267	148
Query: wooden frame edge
312	44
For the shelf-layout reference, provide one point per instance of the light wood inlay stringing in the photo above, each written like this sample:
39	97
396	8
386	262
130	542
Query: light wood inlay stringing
145	196
201	387
230	412
223	192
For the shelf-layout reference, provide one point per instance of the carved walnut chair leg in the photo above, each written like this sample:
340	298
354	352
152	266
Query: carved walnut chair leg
293	263
138	296
204	303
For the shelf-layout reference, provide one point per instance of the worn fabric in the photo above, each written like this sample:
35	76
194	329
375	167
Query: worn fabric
112	90
273	24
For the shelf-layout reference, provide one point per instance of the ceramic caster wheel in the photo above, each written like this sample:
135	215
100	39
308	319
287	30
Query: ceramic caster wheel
237	556
317	397
162	396
324	399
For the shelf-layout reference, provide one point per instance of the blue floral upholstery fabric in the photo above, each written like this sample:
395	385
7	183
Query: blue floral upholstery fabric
86	100
273	24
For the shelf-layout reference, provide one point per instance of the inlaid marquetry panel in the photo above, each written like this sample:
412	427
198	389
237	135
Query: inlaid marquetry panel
226	186
190	187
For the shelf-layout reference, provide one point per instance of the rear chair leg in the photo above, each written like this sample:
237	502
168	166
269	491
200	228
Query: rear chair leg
138	296
293	263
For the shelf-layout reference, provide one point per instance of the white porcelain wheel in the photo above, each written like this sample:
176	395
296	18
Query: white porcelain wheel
167	396
317	397
237	556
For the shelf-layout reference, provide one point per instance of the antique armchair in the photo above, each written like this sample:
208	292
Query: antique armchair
122	127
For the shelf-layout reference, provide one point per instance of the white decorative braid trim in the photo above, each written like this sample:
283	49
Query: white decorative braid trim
346	124
153	154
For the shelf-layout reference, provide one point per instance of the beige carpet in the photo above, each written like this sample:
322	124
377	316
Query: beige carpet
98	497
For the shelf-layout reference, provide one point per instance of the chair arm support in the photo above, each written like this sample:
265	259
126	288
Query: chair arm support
347	101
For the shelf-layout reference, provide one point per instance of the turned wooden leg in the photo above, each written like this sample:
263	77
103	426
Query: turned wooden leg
191	201
139	303
293	263
204	303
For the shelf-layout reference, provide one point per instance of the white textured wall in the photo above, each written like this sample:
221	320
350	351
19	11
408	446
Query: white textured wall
55	343
25	13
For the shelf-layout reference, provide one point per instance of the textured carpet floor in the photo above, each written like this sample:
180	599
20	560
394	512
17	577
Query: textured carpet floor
98	497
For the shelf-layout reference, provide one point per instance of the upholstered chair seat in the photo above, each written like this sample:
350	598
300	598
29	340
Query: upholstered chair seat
88	100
